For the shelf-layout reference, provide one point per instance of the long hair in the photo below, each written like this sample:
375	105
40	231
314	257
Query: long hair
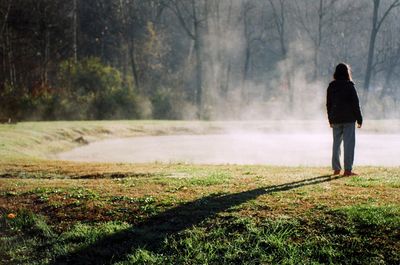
342	72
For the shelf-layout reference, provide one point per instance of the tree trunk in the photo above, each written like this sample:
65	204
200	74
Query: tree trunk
376	24
223	57
246	66
389	74
192	29
199	85
318	40
5	19
371	48
46	57
247	54
199	63
75	31
288	85
10	58
388	78
227	80
134	64
280	19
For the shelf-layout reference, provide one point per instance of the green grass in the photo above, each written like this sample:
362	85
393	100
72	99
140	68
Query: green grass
390	179
371	215
216	226
116	213
223	240
33	140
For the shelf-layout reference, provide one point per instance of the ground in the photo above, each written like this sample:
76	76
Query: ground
57	212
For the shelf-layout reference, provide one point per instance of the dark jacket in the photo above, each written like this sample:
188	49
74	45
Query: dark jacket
342	103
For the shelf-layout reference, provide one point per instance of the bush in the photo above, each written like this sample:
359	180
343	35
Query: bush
11	101
168	104
95	91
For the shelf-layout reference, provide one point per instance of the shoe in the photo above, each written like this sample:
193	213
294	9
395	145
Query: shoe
336	172
349	173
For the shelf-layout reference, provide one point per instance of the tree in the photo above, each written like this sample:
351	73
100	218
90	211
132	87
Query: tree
247	8
199	56
315	19
191	20
75	30
376	25
279	19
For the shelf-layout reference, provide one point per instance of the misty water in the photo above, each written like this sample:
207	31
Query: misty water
282	148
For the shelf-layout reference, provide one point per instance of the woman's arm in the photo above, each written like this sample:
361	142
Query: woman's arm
329	103
356	106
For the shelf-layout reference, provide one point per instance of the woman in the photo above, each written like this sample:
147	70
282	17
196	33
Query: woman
343	111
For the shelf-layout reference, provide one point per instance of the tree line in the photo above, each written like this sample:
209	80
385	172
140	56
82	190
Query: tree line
194	59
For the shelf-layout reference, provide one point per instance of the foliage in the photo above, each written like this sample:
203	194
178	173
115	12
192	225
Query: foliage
88	90
97	89
14	102
212	57
167	104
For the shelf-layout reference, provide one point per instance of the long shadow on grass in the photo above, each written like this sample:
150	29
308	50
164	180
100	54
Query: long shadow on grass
151	233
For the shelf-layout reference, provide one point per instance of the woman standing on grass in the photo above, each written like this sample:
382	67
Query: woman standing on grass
343	111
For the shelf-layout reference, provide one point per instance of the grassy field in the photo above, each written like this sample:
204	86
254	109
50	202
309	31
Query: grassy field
55	212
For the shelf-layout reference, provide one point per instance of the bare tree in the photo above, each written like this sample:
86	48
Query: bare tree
75	30
279	14
191	20
376	25
130	19
4	37
247	8
211	54
388	57
315	24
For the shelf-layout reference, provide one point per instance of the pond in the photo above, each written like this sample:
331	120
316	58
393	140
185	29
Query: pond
284	149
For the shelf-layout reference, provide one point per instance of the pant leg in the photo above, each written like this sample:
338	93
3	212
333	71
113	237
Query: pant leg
349	142
337	141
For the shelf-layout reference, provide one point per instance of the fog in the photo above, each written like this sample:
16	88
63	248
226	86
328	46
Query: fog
296	144
203	59
275	61
213	60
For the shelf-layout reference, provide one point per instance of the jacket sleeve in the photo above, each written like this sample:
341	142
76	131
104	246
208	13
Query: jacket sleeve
329	103
356	105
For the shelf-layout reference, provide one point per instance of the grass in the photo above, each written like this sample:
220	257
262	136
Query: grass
48	138
371	215
113	213
272	216
221	240
41	140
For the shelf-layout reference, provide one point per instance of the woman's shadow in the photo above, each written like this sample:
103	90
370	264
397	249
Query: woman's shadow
151	233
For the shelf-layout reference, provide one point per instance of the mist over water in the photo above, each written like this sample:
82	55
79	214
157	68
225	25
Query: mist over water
307	145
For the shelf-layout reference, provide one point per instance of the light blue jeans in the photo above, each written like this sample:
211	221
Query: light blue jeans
343	132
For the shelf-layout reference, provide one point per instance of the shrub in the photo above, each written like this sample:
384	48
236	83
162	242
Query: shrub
168	104
97	89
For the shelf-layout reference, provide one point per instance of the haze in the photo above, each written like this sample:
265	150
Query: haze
296	144
203	59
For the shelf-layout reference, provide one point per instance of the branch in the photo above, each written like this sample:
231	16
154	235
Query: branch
396	3
5	18
303	23
278	22
178	13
